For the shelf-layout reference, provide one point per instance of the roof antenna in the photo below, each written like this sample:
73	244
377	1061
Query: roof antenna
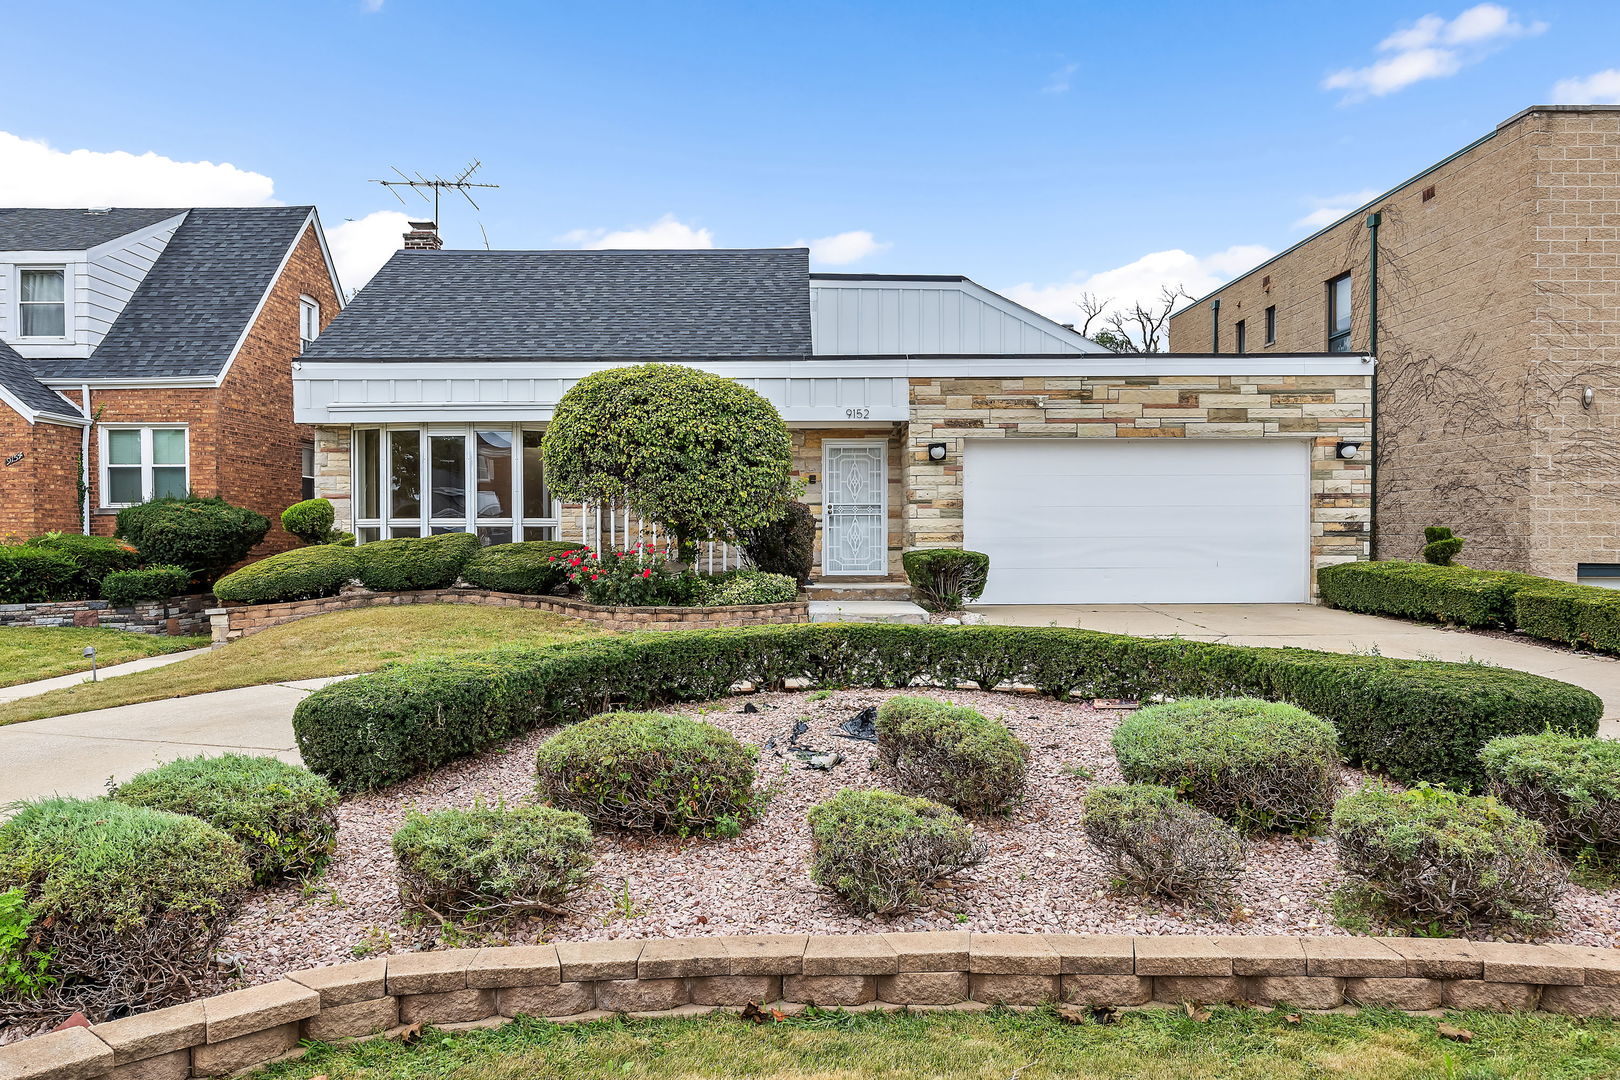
421	185
486	235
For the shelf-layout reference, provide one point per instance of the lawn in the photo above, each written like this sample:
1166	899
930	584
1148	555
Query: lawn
342	643
1230	1044
41	652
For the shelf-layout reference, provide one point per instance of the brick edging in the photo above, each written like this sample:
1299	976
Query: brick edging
230	623
941	969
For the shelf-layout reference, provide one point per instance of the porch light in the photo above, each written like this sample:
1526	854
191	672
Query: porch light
936	451
1349	449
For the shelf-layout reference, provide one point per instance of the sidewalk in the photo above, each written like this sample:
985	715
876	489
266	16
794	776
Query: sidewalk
128	667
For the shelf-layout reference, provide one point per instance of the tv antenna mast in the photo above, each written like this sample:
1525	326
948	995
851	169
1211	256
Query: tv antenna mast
421	185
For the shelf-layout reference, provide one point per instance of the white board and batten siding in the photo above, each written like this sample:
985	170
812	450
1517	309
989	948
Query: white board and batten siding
869	316
1140	521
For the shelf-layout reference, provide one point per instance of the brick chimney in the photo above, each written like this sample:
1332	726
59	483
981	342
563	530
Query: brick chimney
424	236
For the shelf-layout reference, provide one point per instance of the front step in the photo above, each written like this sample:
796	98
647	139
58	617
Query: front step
878	611
895	591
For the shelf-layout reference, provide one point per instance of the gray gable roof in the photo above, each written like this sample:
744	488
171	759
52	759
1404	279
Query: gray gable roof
450	305
196	301
21	384
30	229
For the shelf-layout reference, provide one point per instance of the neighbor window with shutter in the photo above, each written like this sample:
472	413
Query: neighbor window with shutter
41	302
141	463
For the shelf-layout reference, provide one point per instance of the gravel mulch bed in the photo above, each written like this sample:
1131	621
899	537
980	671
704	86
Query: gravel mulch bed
1040	875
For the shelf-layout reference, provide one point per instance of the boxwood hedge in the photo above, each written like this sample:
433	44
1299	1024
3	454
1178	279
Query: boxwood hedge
426	562
533	567
300	574
1413	719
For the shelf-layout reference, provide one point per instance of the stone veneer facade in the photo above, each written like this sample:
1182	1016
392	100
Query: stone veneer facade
679	977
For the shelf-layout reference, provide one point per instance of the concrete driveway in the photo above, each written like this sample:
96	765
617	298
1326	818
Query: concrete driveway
1308	626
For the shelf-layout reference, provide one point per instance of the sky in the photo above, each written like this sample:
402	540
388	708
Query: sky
1045	150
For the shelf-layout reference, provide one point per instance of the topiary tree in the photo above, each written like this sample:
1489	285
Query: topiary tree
1440	546
700	454
311	521
204	535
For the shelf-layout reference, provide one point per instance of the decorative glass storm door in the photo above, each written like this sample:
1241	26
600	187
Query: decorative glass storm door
854	537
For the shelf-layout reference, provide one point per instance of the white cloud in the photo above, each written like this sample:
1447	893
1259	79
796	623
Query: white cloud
1331	209
1060	80
1601	88
1140	281
843	248
667	232
361	245
371	6
34	173
1432	48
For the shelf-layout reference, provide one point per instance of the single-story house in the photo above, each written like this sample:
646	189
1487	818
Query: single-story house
926	411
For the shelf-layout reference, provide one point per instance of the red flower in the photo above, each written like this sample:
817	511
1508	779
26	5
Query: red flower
647	572
596	577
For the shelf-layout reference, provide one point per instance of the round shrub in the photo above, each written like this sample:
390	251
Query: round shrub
34	575
1571	786
492	863
880	851
300	574
310	521
945	579
1258	764
123	588
96	557
650	771
204	535
427	562
284	816
1432	858
129	901
532	568
951	754
754	587
1158	844
786	546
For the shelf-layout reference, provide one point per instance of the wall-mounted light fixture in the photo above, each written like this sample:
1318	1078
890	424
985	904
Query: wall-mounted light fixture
936	451
1349	449
1587	394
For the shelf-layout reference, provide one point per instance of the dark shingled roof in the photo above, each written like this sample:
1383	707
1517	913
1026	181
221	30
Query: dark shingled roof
451	305
196	301
29	229
21	384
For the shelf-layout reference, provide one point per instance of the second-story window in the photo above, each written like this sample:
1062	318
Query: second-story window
1271	325
1338	312
42	302
1242	334
309	319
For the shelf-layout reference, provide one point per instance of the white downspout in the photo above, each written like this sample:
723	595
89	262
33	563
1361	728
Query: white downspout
84	456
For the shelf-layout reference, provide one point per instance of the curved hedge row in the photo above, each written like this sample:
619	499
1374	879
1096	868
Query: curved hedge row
1412	719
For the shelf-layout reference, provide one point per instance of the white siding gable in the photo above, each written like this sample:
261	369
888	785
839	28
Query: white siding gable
859	316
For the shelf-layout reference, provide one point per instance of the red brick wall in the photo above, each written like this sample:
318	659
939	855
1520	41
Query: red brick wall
39	493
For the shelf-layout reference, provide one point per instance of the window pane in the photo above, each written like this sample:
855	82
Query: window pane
1341	304
368	454
168	483
405	481
536	499
402	531
367	534
124	446
123	486
43	320
495	534
168	446
449	475
539	532
42	285
494	473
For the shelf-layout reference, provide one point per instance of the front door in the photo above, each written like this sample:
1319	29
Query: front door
854	538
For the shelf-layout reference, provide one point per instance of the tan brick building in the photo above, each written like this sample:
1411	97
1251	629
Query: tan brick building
149	352
1498	340
925	411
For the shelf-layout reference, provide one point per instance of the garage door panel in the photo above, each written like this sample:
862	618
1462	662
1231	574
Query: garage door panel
1127	521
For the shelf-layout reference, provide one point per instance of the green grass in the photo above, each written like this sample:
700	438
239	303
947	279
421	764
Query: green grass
1233	1044
342	643
42	652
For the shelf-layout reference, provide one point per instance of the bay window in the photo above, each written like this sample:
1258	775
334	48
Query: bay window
141	463
486	479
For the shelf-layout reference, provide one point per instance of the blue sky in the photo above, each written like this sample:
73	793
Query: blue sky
1048	146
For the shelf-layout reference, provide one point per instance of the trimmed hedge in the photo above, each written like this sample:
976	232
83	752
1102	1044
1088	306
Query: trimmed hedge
951	754
753	587
284	816
204	535
300	574
124	588
96	556
944	579
1571	786
532	568
1413	719
310	521
34	575
1570	614
1453	594
786	546
417	562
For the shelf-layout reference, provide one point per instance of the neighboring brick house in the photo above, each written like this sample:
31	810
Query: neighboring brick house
925	411
1498	341
149	352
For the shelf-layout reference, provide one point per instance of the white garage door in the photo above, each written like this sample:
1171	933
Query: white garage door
1140	521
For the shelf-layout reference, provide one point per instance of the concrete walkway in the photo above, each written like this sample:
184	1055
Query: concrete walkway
82	753
1308	626
128	667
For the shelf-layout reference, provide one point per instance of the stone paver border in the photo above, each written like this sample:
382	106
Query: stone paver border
574	981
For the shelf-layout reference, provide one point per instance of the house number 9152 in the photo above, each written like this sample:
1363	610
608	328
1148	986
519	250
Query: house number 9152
857	414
